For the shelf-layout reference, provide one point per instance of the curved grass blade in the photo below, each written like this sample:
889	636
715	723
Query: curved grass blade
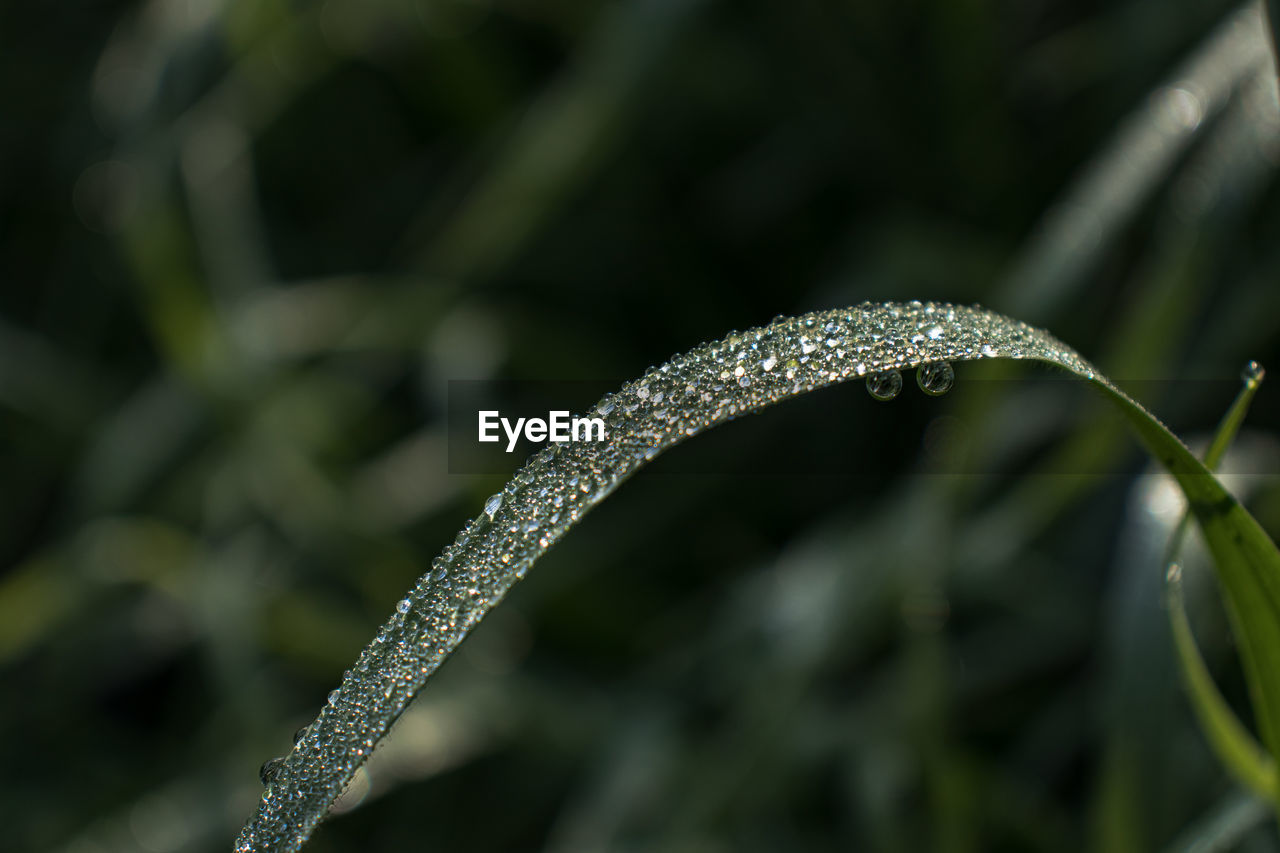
1246	561
1224	827
1235	747
1273	27
711	384
1073	235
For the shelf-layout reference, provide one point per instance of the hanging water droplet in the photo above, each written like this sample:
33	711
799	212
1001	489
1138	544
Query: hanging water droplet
403	606
333	697
268	769
936	379
491	505
1253	372
884	386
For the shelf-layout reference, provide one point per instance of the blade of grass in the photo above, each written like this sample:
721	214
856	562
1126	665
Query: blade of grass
1075	233
1223	828
1272	15
707	386
1235	747
1248	567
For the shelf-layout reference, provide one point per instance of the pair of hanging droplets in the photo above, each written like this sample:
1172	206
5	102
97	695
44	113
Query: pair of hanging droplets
934	379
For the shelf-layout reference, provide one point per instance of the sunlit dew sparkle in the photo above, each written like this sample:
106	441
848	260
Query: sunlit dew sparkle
708	385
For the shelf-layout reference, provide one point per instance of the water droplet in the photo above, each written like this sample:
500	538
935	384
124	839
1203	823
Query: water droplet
1253	372
268	770
884	386
491	505
936	379
333	697
403	606
807	346
299	735
769	362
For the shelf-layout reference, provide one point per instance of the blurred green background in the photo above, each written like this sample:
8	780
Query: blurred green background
245	245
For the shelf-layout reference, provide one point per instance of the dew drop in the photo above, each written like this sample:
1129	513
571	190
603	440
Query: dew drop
333	697
1253	372
403	606
491	505
299	735
936	379
769	362
884	386
268	769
